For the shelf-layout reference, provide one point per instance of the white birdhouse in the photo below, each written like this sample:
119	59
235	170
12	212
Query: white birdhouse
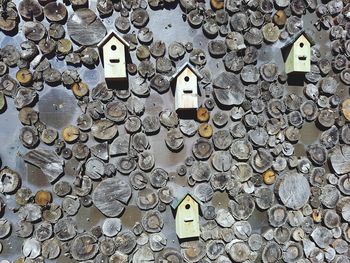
186	89
187	217
113	50
297	53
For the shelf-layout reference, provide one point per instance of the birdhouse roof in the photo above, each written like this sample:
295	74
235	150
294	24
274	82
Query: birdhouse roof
296	36
177	201
109	36
186	65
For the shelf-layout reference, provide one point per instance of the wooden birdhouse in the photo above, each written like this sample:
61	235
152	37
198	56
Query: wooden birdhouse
113	50
187	217
297	53
186	87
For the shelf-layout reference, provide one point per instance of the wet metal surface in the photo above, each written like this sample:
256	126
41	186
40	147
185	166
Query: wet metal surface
58	108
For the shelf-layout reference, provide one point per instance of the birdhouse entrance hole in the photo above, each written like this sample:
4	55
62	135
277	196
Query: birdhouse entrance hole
113	47
187	79
188	206
301	44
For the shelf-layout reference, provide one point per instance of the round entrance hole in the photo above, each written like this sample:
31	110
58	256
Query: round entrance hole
187	206
187	78
113	47
301	44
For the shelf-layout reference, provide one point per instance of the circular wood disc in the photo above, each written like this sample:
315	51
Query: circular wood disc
188	127
24	97
104	129
125	164
270	32
241	149
200	171
261	160
30	9
125	242
116	111
29	137
65	229
164	65
122	24
217	48
132	124
221	161
228	90
85	28
151	124
233	61
84	247
176	50
294	190
147	199
51	248
111	227
204	192
238	251
198	57
193	251
174	139
202	149
239	21
139	17
277	215
56	31
94	168
158	48
271	252
34	31
9	22
160	83
70	133
31	248
11	180
55	12
222	139
111	195
152	221
242	207
346	108
241	172
169	118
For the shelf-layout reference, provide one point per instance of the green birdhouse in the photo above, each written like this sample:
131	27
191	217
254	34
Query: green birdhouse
187	217
297	53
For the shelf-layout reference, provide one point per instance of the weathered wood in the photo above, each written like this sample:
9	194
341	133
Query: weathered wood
111	195
294	190
242	206
339	159
200	171
238	250
193	251
47	161
85	20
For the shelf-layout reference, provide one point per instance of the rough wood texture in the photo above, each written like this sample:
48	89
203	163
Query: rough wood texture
111	195
294	190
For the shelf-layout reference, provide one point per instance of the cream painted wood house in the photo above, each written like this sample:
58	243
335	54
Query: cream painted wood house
113	49
186	87
297	53
187	217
